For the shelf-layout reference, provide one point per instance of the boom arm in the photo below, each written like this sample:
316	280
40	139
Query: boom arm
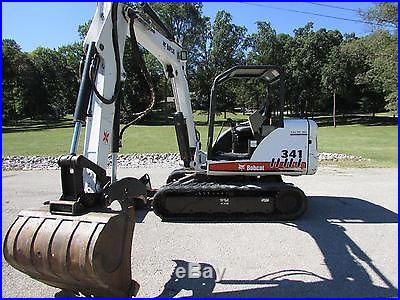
103	73
173	58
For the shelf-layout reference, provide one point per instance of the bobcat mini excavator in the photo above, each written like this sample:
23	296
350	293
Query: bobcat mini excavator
79	243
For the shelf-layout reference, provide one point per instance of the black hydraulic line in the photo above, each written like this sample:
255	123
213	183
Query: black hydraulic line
142	67
183	138
146	8
85	90
118	84
140	61
116	142
282	94
211	120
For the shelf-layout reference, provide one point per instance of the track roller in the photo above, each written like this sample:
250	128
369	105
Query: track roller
206	198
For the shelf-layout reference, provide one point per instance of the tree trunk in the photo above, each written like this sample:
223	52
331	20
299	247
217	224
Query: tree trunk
166	101
225	115
334	110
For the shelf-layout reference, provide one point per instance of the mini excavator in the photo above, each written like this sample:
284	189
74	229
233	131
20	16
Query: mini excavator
79	243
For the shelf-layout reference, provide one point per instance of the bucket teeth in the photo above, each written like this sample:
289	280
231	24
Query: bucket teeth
88	254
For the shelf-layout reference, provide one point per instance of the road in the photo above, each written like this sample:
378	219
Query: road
345	245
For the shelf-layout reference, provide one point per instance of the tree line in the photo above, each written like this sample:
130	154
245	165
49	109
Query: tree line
360	71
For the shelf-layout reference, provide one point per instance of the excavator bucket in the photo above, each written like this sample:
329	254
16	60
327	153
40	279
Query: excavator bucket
88	254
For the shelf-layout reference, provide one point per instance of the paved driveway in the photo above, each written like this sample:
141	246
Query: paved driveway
345	245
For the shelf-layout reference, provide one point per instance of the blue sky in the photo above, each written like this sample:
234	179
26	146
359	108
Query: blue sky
51	24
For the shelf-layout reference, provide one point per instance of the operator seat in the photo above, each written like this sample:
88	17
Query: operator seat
259	126
256	121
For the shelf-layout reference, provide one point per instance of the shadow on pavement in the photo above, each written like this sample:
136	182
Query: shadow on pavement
344	259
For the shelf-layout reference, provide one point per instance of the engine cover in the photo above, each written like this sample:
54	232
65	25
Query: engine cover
290	150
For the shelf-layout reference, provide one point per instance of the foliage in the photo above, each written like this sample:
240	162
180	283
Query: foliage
23	92
381	57
382	49
58	78
383	13
227	50
188	25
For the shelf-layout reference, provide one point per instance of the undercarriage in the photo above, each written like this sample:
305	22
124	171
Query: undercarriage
228	198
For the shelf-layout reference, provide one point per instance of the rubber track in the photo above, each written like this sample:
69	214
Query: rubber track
219	187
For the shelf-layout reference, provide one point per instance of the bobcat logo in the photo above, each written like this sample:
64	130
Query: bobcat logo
241	167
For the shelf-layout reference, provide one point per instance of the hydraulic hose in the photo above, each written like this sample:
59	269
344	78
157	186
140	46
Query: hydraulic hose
117	87
142	66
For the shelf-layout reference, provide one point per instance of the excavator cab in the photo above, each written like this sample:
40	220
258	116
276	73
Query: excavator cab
237	142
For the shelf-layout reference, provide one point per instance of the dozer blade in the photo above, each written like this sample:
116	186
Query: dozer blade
88	254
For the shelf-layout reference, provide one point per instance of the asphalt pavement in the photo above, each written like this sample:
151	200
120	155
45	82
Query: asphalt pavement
345	245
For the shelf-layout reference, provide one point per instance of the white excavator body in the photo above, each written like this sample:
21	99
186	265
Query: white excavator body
290	150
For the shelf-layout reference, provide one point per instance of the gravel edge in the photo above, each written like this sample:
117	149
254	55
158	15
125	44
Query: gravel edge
160	160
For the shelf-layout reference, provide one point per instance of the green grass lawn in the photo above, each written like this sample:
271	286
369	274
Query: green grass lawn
138	138
376	143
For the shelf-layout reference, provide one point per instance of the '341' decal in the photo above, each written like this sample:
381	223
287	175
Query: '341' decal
289	159
292	153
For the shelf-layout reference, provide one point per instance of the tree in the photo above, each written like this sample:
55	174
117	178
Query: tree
338	76
362	72
265	48
83	30
227	42
309	53
71	56
268	47
381	49
11	53
192	30
22	89
383	13
186	22
58	79
226	51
